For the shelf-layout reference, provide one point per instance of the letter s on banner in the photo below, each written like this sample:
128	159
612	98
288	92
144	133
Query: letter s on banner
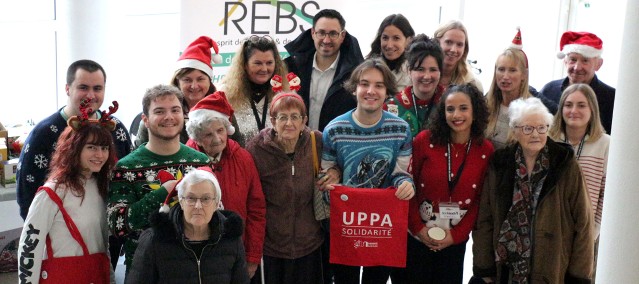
378	237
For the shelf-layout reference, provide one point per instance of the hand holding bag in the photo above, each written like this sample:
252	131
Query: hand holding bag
320	206
87	268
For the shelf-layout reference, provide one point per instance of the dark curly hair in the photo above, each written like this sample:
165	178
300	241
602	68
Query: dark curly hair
440	131
66	166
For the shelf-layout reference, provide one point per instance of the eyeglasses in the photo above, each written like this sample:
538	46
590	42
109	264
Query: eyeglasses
527	129
331	35
205	201
284	118
261	40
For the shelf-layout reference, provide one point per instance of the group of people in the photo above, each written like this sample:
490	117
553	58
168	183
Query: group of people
221	185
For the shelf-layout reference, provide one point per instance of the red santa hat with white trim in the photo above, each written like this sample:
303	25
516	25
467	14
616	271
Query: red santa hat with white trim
215	105
585	43
198	56
518	44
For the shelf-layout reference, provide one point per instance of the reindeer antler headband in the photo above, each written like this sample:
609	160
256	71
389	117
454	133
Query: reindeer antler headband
106	121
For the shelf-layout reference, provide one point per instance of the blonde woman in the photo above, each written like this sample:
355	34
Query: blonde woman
247	84
453	38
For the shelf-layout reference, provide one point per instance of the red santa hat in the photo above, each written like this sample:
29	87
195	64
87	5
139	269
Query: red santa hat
214	105
585	43
164	176
198	56
518	44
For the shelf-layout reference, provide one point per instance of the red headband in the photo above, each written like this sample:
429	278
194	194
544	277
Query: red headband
281	96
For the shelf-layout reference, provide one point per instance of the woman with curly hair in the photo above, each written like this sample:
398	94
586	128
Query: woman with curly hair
449	164
247	84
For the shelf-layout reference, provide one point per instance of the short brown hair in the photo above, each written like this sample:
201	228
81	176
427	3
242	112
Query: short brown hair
155	92
372	63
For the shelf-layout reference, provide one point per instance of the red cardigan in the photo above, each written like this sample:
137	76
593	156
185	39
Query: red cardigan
242	193
429	168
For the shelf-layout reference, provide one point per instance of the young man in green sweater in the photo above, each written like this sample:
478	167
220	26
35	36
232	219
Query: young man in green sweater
135	189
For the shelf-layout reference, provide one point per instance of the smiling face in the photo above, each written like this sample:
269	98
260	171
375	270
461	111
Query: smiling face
166	118
327	47
213	138
425	78
198	215
92	158
459	115
581	69
195	86
531	143
288	123
260	66
393	42
508	75
371	91
453	43
576	111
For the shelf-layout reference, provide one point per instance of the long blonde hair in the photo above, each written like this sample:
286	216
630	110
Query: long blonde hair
494	97
237	85
461	70
595	129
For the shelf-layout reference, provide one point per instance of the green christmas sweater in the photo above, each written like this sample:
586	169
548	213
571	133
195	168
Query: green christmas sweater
135	192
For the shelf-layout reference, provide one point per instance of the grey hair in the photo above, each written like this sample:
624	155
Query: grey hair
196	176
200	119
522	107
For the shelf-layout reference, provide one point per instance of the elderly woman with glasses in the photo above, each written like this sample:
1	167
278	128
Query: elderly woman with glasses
283	156
535	223
193	242
247	84
209	129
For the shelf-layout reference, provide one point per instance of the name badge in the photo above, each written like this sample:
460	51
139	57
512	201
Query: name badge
449	210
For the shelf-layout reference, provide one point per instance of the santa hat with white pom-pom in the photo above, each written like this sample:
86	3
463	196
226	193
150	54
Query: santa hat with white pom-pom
518	44
198	56
587	44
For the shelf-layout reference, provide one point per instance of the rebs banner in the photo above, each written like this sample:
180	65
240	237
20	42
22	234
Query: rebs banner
368	227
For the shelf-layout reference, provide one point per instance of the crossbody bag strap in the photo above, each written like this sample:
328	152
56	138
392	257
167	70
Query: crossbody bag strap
316	166
73	229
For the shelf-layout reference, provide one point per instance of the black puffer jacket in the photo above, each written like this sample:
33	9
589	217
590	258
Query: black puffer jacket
163	256
337	100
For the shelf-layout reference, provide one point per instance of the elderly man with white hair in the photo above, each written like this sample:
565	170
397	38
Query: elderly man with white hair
209	128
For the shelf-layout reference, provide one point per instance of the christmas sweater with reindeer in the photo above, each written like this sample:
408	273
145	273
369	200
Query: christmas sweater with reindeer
135	190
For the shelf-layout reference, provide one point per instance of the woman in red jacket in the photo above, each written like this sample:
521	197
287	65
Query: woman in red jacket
209	129
449	164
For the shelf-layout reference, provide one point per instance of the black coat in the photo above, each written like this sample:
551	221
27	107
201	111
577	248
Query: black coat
337	101
163	256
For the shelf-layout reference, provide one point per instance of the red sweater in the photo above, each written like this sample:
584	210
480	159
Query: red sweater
429	168
242	193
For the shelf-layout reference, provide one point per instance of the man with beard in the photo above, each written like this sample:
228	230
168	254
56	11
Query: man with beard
86	81
323	57
136	187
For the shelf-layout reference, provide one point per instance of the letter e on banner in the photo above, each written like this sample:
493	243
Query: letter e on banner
369	228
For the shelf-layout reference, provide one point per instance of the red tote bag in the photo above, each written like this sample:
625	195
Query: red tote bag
88	268
368	227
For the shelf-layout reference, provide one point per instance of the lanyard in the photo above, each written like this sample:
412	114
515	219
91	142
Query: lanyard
428	106
260	124
581	144
453	182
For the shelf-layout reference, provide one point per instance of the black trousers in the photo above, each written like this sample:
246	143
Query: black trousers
306	269
426	266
